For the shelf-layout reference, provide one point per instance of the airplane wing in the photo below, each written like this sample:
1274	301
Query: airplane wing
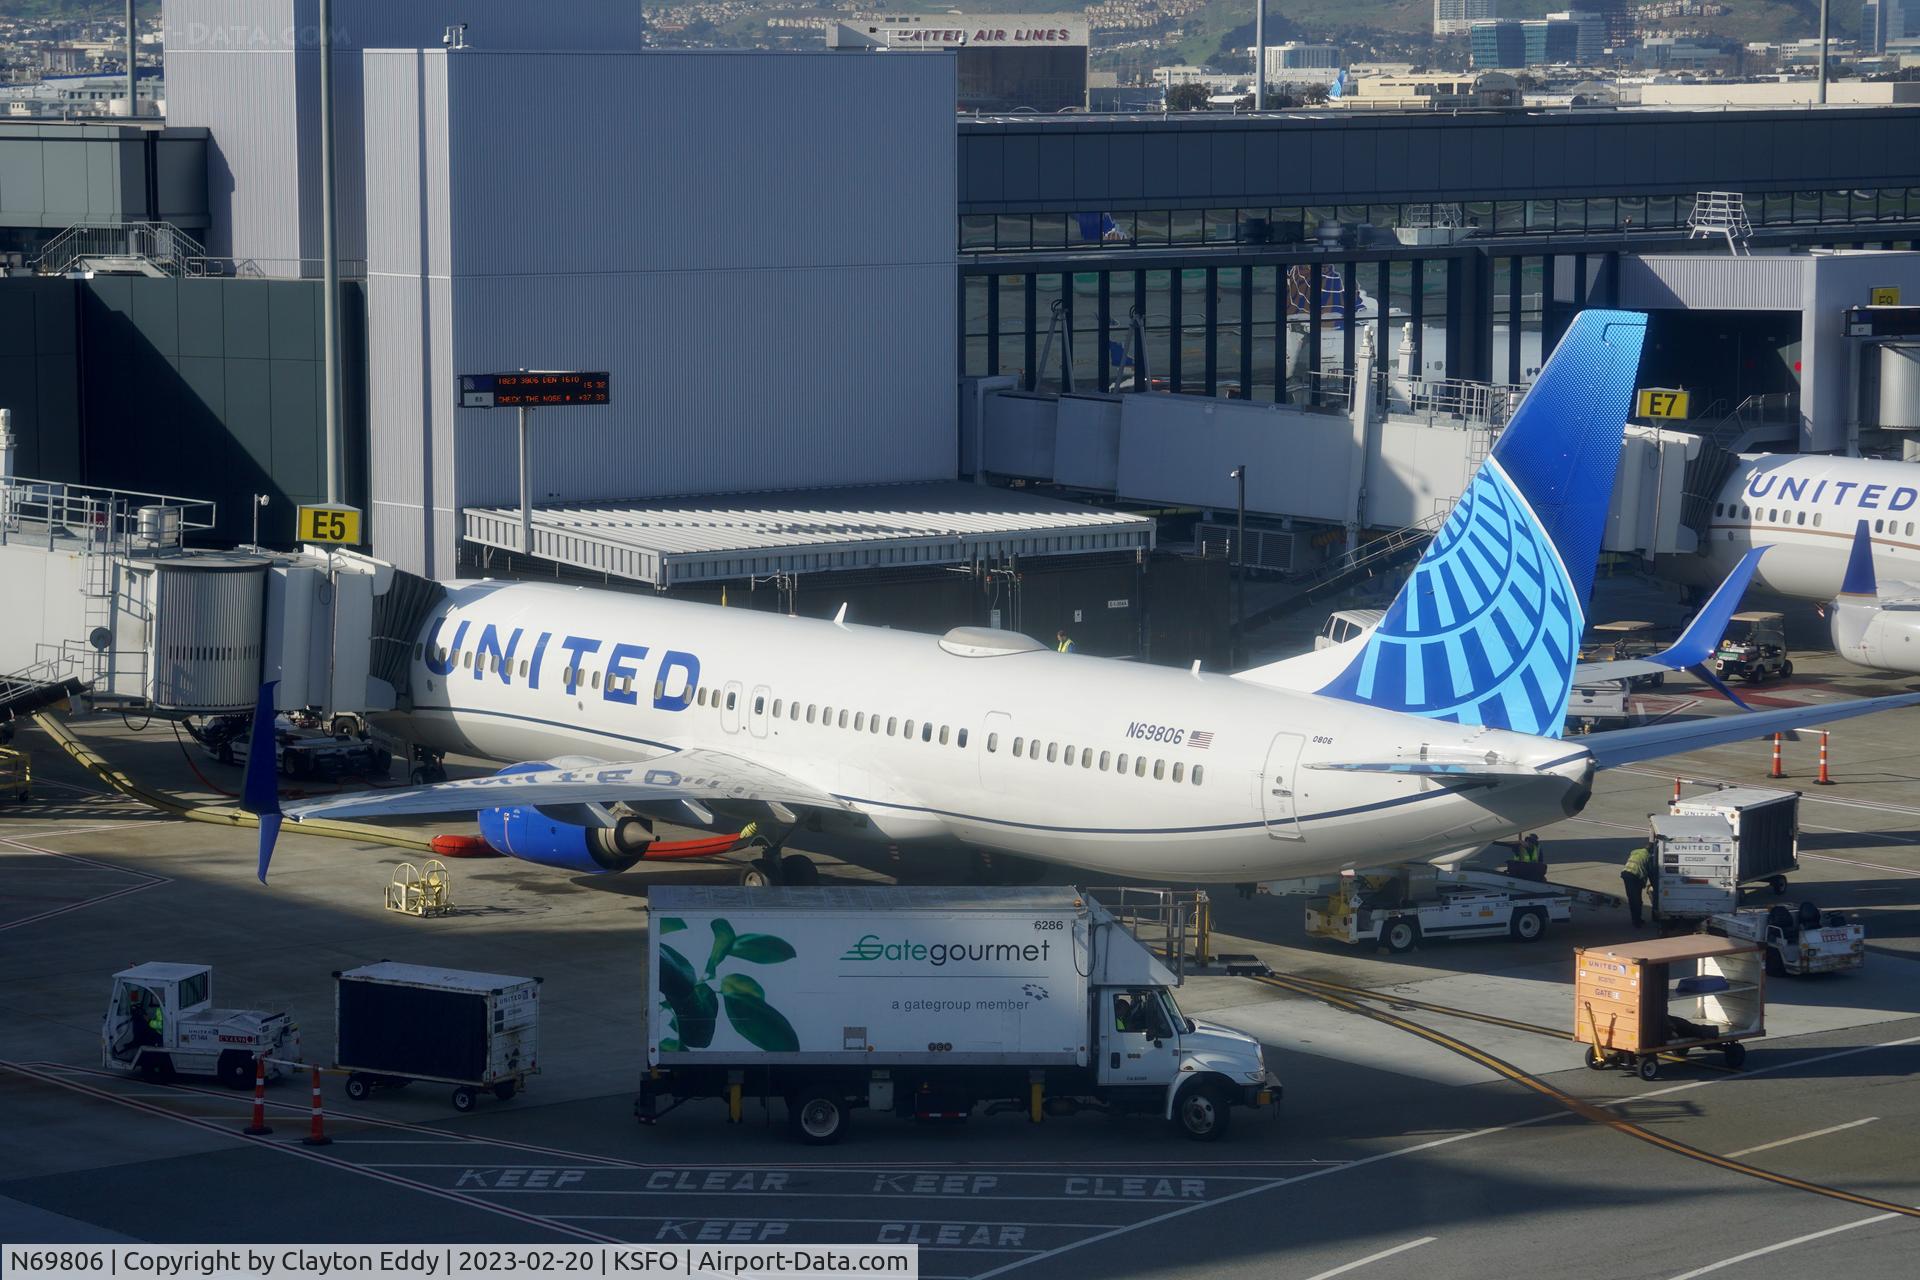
1695	645
1651	741
692	774
1440	769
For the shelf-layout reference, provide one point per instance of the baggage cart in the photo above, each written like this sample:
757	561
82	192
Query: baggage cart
1634	1002
398	1023
1765	825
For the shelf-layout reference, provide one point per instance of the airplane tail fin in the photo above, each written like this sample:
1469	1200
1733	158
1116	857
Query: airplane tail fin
260	788
1487	629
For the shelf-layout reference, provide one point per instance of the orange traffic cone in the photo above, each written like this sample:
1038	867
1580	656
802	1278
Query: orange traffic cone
258	1128
317	1134
1778	772
1823	780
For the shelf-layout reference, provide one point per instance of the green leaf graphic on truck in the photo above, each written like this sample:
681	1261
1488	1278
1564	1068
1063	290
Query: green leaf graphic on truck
694	1003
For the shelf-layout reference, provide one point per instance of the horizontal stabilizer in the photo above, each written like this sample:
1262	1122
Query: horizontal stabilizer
1651	741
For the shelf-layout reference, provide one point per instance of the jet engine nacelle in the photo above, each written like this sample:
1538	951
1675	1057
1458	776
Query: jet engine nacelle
522	831
1887	639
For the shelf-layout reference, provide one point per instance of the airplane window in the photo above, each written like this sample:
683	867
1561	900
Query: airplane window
926	731
843	718
963	739
759	705
1800	517
943	735
566	676
1816	519
1773	513
779	705
859	722
1053	752
826	717
873	723
1199	772
1717	508
1018	745
700	696
1877	526
1120	765
596	684
466	660
1909	528
1159	770
1179	771
1069	757
1106	758
906	730
1139	766
1746	512
811	708
793	711
1086	758
523	668
892	723
993	743
730	697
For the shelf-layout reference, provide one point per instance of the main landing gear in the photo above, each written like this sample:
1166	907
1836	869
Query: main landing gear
775	868
428	767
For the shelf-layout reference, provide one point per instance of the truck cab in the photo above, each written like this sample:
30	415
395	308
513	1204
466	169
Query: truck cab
160	1021
1155	1058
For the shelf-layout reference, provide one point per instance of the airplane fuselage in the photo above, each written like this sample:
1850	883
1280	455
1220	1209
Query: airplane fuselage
1806	508
1111	766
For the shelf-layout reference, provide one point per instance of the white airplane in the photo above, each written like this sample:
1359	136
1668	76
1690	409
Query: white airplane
1845	530
1437	731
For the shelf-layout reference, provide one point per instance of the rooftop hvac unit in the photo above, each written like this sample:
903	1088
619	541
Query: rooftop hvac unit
205	636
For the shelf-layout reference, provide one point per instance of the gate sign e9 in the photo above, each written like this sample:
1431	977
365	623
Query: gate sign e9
1660	402
329	522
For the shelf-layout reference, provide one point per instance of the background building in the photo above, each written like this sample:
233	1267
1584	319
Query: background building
1295	61
1455	17
1881	21
1007	61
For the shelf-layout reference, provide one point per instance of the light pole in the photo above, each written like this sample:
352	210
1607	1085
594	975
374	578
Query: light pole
259	500
1259	55
1239	476
1823	50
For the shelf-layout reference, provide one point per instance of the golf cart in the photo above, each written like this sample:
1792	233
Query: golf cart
1754	649
1619	641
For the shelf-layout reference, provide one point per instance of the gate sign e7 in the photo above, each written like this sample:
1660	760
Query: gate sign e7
1660	402
329	522
532	389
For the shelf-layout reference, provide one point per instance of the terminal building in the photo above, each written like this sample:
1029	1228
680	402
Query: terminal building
992	368
1005	61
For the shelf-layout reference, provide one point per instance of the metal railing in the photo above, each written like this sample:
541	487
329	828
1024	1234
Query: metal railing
1765	416
1491	404
1721	213
110	519
1176	923
160	245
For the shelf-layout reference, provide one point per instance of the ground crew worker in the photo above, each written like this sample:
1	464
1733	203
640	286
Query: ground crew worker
1638	877
1062	642
1122	1013
1527	862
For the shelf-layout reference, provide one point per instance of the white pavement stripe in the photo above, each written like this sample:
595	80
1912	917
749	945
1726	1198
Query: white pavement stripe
1870	866
1800	1137
1795	1065
1784	1244
1357	1263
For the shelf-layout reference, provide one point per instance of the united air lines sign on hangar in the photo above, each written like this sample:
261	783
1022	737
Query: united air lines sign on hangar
1007	61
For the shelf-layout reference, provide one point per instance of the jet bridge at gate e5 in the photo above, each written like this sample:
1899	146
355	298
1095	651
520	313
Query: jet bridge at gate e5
103	591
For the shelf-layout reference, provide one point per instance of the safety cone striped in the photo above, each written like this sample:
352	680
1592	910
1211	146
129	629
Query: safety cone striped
1823	780
259	1128
1778	772
317	1134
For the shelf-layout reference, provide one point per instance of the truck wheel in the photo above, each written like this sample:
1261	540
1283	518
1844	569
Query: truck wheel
506	1089
1779	886
358	1087
757	874
1203	1111
1734	1052
798	869
1648	1068
1596	1060
817	1119
463	1099
1786	669
157	1067
1529	925
1401	935
235	1070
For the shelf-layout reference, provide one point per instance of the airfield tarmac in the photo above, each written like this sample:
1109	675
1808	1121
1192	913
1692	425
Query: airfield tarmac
1437	1120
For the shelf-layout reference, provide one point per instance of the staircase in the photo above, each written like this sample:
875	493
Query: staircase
157	249
41	685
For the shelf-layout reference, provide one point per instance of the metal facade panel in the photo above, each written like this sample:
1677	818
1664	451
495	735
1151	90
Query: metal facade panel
1702	281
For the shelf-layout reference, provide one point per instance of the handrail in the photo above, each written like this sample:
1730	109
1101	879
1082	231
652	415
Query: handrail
160	244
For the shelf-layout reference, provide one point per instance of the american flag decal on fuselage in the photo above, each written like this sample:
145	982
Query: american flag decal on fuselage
1200	739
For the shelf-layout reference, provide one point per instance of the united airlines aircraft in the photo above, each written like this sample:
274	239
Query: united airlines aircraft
1440	730
1845	530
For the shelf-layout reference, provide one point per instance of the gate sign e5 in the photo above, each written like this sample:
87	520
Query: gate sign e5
329	522
1660	402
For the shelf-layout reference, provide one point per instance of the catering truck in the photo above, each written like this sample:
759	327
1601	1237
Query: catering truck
927	1003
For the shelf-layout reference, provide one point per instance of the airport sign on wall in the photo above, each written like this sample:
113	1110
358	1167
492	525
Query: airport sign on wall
1660	402
329	522
1884	296
532	389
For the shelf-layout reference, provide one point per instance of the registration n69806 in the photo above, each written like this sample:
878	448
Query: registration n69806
1156	732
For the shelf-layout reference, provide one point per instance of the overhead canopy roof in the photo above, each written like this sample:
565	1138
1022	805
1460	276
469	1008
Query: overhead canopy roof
675	541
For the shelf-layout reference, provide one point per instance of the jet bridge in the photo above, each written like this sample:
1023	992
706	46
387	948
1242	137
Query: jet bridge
107	602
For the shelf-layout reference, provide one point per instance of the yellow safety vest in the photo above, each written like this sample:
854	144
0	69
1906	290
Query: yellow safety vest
1065	646
1640	862
1527	853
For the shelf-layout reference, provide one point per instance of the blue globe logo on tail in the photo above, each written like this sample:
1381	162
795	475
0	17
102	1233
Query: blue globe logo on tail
1487	630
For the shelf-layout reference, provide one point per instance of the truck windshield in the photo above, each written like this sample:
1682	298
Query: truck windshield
193	990
1175	1019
